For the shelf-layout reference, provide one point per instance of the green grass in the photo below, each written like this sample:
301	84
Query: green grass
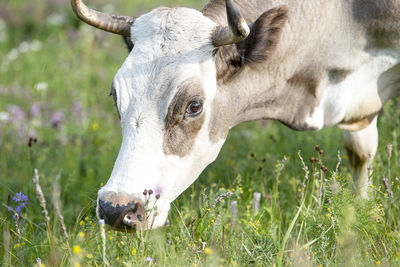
314	221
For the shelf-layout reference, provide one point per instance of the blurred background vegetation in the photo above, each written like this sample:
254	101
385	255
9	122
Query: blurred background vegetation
56	116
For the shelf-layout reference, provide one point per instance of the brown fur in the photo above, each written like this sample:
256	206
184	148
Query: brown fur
180	131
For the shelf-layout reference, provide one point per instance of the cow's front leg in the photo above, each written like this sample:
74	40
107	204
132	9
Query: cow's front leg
361	147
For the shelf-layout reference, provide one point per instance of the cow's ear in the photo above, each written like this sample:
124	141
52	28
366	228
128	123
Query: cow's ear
128	42
264	36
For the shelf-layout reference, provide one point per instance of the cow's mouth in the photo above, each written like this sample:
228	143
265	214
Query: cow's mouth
130	217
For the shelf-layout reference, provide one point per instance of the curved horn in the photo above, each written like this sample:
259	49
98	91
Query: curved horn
237	30
111	23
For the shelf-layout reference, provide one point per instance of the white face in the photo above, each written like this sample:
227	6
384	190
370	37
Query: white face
163	147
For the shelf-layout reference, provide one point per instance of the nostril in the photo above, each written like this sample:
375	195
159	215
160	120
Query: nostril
134	217
130	215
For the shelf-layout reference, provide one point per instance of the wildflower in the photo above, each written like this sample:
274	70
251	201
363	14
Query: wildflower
207	251
319	265
4	116
371	185
95	126
378	263
56	119
17	245
22	201
212	220
36	45
41	86
133	252
81	223
149	259
328	215
15	114
77	264
77	250
117	258
36	110
23	47
81	234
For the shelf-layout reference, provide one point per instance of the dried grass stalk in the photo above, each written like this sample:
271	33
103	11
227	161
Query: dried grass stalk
57	207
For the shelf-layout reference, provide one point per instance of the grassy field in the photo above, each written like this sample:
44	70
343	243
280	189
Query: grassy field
56	116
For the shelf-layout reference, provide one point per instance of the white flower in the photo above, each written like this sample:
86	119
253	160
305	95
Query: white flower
36	45
13	54
4	116
41	86
24	47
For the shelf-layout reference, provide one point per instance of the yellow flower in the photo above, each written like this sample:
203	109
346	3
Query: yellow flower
299	189
77	249
207	251
77	264
329	209
328	215
17	245
101	184
81	223
133	251
319	265
110	237
118	258
371	185
95	126
86	218
212	220
378	263
81	234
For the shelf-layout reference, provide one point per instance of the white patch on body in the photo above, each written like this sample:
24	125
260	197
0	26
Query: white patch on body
358	95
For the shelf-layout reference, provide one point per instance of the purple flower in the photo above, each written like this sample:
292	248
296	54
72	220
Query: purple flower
57	118
18	209
22	200
20	197
101	221
149	259
36	110
16	114
77	109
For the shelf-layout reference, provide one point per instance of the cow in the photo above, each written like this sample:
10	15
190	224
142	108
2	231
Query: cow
192	75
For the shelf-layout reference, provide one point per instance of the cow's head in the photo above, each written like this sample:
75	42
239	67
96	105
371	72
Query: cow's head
165	96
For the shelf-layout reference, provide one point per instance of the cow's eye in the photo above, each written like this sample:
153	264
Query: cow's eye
194	108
